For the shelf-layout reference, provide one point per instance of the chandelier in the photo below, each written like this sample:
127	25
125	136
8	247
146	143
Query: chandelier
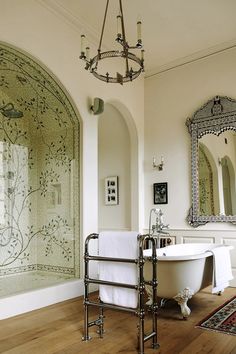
130	73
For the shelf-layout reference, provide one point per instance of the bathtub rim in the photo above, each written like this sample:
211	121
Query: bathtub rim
205	254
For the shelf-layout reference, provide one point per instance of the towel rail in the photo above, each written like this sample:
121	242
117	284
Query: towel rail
140	310
110	306
110	259
111	283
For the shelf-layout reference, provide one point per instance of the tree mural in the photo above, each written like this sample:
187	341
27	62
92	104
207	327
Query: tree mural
37	134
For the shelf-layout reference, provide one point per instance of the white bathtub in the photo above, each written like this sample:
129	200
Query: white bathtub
182	270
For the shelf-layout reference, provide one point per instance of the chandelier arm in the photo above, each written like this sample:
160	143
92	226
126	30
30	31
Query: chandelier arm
124	43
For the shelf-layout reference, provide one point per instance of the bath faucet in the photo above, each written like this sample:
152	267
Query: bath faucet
159	226
156	211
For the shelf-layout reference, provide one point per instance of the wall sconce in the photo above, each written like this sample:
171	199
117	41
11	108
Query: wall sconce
158	166
98	106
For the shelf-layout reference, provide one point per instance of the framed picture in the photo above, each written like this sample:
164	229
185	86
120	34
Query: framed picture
160	193
111	191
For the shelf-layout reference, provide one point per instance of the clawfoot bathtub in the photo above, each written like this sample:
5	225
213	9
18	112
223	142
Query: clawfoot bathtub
182	271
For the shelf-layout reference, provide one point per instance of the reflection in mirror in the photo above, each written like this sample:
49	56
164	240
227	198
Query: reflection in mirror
216	165
228	176
208	183
213	147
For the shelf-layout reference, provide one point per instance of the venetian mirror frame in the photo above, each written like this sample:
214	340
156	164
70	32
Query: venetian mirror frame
214	117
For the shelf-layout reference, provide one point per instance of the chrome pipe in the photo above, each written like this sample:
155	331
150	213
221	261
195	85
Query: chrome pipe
111	283
111	306
110	259
149	336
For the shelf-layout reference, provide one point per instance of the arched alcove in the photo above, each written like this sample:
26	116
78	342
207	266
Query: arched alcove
39	170
118	156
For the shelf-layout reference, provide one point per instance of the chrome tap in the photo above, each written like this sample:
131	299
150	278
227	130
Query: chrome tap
159	226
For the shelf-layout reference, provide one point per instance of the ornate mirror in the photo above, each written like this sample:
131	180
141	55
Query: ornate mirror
213	162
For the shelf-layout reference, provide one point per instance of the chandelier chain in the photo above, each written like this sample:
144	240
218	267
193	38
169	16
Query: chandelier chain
103	26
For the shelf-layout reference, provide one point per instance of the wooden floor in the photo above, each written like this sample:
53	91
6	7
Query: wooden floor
59	328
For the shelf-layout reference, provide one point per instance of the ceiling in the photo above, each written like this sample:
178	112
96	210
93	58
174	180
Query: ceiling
174	32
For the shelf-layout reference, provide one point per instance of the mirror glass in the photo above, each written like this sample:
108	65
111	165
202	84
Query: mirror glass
216	168
213	162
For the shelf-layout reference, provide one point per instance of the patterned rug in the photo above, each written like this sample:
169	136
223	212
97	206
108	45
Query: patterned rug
223	319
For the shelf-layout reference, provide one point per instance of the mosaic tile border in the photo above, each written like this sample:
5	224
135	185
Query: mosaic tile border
16	270
34	267
56	269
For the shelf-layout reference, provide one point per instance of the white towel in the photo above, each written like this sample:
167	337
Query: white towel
118	245
222	271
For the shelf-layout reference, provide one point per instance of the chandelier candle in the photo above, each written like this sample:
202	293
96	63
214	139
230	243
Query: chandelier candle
83	45
139	31
119	26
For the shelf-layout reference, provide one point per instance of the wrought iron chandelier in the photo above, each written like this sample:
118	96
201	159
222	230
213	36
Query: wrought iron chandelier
130	73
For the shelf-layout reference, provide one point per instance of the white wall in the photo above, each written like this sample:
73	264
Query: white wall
170	98
48	37
114	160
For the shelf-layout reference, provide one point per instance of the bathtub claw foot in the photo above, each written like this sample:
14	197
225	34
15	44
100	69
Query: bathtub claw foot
182	299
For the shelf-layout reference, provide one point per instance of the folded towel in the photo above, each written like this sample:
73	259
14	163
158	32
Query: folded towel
222	271
118	245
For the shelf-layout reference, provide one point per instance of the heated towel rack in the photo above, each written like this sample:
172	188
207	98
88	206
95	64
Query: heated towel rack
141	309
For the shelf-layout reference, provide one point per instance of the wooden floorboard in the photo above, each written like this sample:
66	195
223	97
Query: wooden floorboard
58	329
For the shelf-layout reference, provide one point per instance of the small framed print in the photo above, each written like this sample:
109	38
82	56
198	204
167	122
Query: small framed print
111	191
160	193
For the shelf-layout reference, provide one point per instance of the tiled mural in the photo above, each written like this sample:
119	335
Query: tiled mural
39	170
